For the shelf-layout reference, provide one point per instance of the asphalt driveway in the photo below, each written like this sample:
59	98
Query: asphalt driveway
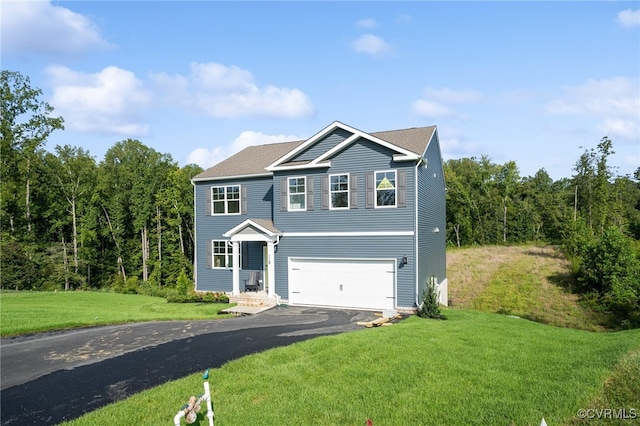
51	377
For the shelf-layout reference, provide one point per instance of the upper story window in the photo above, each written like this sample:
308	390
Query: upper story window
386	188
297	193
339	190
225	199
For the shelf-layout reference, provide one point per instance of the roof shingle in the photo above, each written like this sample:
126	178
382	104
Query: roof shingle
254	159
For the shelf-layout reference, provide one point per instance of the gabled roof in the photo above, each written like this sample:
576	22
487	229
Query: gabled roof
264	226
262	160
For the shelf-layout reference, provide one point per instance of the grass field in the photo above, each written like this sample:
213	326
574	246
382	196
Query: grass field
473	369
527	281
31	312
477	367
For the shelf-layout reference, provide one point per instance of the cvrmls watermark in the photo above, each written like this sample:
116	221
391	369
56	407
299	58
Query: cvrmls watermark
609	413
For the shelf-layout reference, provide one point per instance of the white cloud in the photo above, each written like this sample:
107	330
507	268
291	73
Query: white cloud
437	102
613	103
206	158
106	102
629	18
228	91
371	45
42	28
430	109
455	144
367	23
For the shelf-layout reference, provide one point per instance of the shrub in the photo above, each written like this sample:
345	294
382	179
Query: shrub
430	307
611	259
174	296
183	284
611	270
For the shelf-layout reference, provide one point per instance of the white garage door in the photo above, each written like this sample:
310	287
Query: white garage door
352	283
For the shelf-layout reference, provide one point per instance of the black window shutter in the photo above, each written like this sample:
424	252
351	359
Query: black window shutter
207	200
309	193
402	188
209	254
325	192
371	191
353	191
284	205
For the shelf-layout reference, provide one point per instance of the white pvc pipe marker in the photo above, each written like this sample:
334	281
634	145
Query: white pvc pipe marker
193	406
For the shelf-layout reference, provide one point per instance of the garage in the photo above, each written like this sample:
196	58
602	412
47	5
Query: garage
349	283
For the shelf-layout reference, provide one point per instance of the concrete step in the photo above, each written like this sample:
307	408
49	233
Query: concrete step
255	300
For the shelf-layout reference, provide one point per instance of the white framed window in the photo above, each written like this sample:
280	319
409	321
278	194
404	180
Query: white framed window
225	200
297	193
385	185
222	254
339	191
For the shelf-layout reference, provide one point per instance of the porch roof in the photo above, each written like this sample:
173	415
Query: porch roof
251	228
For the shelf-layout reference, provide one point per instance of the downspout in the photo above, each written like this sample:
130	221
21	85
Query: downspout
195	238
415	233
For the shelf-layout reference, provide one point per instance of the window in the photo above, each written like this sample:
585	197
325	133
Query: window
222	254
297	193
339	190
386	188
225	199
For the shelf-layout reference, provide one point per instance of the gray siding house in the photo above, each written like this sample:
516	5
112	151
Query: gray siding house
343	219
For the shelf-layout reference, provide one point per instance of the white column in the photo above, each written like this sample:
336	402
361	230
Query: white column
272	268
236	266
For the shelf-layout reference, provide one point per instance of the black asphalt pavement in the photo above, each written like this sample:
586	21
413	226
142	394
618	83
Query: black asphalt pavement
52	377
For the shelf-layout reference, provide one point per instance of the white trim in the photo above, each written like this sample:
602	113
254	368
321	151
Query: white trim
403	154
226	200
339	147
303	146
304	194
366	259
348	192
195	238
235	254
395	188
228	255
206	179
406	157
231	232
350	234
416	225
303	166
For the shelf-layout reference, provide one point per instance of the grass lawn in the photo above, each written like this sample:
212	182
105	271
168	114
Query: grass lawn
31	312
475	368
527	281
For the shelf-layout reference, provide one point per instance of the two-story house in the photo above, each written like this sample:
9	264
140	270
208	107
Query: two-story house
342	219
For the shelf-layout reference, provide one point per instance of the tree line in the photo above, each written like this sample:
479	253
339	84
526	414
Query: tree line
126	222
69	222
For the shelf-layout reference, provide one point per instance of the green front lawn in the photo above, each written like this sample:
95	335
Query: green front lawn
474	368
32	312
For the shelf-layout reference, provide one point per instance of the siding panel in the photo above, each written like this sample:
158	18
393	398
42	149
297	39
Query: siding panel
323	145
431	217
350	161
259	204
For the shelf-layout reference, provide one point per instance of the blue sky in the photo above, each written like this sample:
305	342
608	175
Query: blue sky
532	82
